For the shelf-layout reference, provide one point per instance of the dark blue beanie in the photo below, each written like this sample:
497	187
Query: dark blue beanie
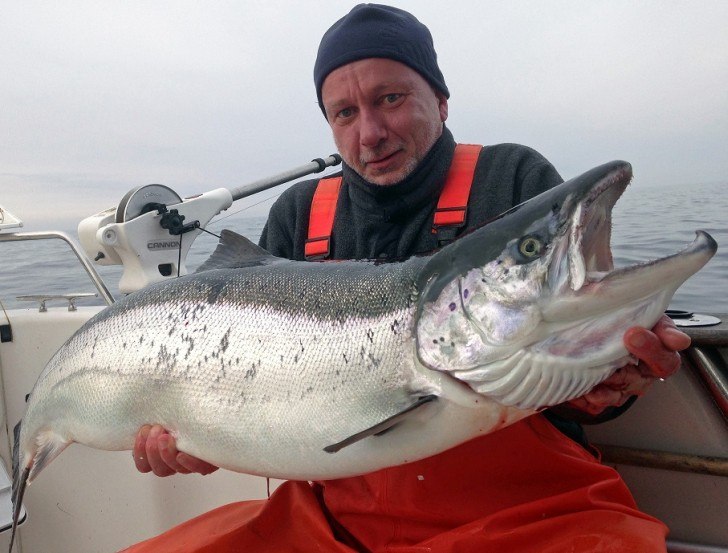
376	31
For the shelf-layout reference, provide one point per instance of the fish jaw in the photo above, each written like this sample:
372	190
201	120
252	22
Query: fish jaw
596	292
534	333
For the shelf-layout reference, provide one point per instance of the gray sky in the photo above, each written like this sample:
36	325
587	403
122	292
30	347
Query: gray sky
99	97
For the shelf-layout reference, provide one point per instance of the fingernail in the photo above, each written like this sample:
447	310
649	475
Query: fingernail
679	335
637	340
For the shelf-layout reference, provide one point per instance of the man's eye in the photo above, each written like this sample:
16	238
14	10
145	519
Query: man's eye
392	98
345	113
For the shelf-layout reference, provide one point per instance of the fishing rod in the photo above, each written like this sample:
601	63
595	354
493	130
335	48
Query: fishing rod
152	228
315	166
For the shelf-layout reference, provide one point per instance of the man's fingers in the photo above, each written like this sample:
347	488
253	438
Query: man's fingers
669	334
193	464
168	452
140	452
155	450
154	457
660	361
616	390
656	351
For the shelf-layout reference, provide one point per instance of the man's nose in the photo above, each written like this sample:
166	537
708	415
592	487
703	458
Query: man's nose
372	128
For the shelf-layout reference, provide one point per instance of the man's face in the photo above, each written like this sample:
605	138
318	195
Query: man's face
385	117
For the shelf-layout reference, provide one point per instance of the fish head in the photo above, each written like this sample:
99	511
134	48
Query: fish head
530	310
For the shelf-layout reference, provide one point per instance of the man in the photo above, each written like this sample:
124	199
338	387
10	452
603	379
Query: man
527	487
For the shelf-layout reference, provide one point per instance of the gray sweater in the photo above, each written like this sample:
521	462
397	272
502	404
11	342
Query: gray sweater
395	221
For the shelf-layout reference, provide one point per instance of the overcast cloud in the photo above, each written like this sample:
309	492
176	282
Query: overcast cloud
99	97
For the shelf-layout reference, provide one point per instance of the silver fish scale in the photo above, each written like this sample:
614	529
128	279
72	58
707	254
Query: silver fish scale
331	290
212	357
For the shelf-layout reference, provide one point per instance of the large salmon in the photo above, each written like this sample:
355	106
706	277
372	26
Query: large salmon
323	370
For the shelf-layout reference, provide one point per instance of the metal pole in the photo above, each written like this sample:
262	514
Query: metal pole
682	462
315	166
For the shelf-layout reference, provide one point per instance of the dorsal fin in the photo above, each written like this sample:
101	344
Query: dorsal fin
234	251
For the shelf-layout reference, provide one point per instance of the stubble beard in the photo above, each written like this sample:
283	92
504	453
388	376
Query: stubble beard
430	134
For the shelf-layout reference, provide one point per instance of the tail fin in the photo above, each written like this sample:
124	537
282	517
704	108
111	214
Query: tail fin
19	481
48	445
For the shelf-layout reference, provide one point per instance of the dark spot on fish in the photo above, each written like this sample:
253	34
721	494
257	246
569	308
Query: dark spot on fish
452	306
370	335
466	293
345	361
251	372
171	331
442	339
123	346
216	288
434	341
225	342
452	344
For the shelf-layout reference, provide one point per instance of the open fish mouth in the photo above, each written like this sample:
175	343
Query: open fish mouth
589	252
584	268
589	256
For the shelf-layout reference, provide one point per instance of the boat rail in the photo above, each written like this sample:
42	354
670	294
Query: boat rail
46	235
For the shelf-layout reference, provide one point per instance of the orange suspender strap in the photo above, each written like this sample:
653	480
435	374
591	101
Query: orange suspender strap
450	214
321	219
452	207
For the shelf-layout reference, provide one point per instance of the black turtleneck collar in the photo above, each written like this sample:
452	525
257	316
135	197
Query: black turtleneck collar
420	187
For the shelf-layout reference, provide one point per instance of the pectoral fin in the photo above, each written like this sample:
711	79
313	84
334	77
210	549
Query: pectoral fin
381	427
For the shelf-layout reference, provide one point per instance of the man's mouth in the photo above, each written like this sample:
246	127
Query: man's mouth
381	160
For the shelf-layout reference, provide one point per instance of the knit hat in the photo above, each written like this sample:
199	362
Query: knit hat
376	31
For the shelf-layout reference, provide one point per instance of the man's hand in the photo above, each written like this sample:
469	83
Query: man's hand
156	451
657	353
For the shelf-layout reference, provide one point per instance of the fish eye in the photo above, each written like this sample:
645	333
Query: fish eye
530	246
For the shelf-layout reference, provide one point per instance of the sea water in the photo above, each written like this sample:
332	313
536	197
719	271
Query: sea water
648	223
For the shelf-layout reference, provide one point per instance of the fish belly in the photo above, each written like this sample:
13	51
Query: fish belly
256	392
